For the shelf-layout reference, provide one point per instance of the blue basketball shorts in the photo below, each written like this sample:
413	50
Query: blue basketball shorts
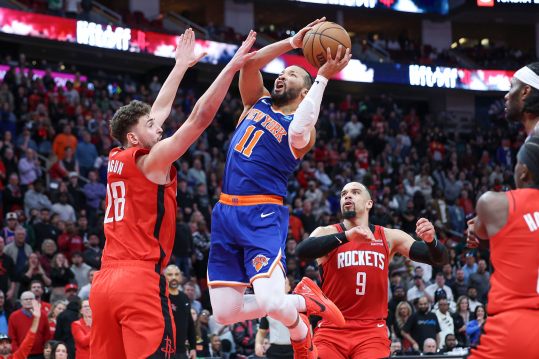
247	242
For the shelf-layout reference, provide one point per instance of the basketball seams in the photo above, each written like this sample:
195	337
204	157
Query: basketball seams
320	33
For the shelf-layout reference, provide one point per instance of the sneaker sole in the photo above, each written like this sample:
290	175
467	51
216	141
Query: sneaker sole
334	312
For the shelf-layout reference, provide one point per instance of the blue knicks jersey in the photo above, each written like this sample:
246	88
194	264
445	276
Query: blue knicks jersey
260	159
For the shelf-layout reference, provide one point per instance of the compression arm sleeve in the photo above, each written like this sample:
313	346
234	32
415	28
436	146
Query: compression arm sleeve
317	247
433	253
306	114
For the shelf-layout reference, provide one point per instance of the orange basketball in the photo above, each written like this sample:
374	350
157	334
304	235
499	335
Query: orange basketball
320	37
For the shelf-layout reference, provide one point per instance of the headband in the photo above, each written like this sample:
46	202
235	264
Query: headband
528	76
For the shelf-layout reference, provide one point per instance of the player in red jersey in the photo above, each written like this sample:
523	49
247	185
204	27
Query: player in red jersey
510	222
354	257
129	301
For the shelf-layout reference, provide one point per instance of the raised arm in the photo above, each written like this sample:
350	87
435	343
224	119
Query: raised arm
429	250
251	83
157	163
185	58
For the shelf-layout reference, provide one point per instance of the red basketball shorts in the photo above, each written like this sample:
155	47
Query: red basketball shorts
358	339
511	334
131	313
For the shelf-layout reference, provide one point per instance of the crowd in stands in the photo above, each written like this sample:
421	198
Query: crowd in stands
54	143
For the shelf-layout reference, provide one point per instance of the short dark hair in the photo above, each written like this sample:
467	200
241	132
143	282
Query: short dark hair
125	118
307	78
531	102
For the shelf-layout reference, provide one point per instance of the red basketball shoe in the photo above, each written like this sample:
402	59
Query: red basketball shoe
305	349
317	303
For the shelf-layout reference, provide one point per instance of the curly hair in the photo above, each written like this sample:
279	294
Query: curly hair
125	118
531	103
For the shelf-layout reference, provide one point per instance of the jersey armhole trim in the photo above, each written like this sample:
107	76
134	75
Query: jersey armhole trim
512	203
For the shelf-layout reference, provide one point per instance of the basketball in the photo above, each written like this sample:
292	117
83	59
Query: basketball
320	37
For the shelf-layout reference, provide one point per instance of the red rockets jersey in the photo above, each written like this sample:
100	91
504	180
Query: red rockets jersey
140	217
355	277
515	255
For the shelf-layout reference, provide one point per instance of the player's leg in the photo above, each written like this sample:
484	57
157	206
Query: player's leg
272	299
330	343
147	323
371	341
106	340
512	334
231	305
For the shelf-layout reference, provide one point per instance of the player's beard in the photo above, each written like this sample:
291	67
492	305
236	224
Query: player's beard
284	97
349	214
174	284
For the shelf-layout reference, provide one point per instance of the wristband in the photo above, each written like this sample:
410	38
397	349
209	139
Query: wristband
290	40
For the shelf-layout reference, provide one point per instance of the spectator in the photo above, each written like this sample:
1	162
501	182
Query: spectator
13	194
481	280
402	314
92	254
244	333
86	154
73	9
7	274
429	347
81	331
421	325
70	242
79	269
26	346
460	286
63	141
215	347
450	344
470	267
36	287
44	229
445	320
20	323
439	284
4	315
196	174
63	324
418	290
76	192
84	292
189	290
60	351
95	192
29	168
201	244
34	272
474	328
183	243
48	250
19	251
396	349
353	128
8	232
64	209
61	277
58	307
472	298
35	198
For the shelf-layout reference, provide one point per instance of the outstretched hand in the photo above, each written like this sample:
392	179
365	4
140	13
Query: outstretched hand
243	55
36	309
185	50
336	64
297	39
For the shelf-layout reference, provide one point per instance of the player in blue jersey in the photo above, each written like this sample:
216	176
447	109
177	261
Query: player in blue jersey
250	223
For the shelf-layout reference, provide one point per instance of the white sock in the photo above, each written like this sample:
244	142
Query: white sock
298	302
299	332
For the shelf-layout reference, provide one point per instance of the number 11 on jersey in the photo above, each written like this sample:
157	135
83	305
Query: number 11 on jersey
361	282
248	150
